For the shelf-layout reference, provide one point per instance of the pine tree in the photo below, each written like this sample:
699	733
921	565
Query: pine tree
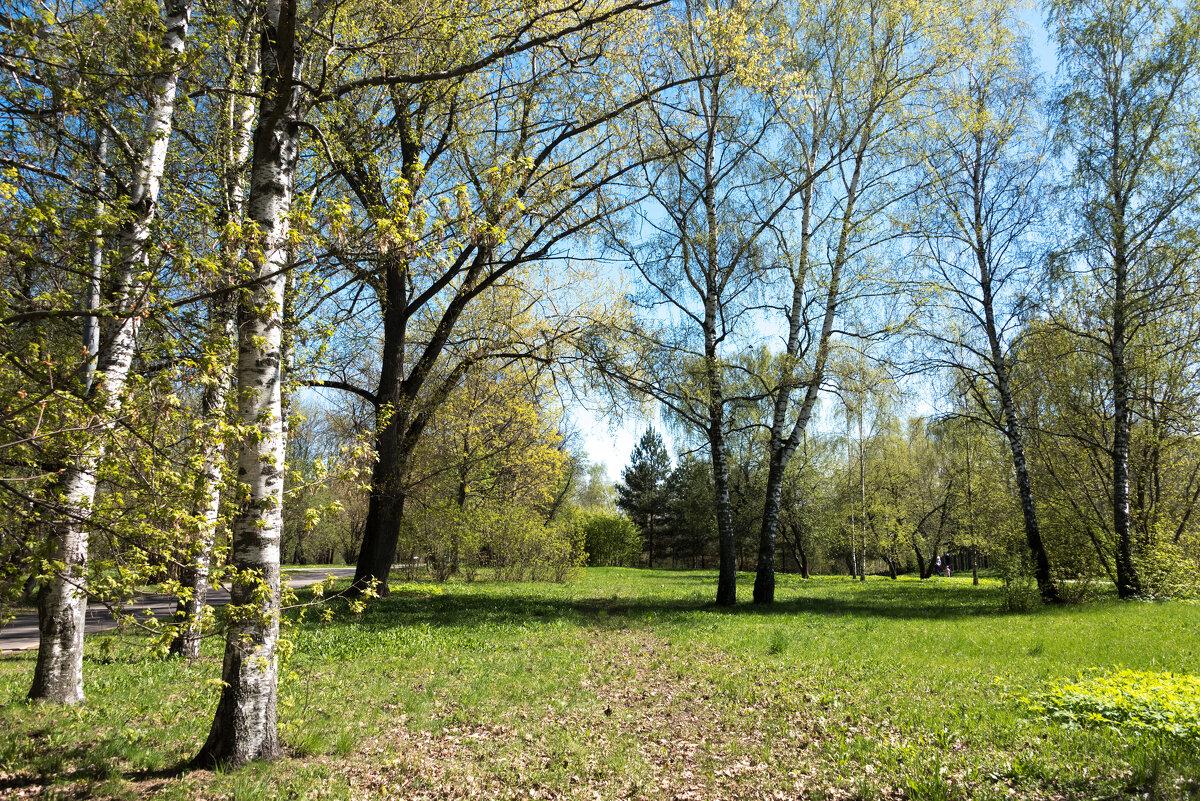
642	493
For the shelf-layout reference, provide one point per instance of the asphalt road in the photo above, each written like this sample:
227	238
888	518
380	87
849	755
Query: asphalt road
21	633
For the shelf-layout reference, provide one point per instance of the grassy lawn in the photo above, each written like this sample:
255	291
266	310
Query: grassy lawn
629	684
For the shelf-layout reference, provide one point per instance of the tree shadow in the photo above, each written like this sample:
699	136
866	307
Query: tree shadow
442	607
24	782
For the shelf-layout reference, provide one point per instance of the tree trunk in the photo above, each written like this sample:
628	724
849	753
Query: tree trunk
713	283
1128	584
190	610
244	726
727	545
782	447
214	404
764	577
385	504
396	430
925	569
1012	429
91	325
62	603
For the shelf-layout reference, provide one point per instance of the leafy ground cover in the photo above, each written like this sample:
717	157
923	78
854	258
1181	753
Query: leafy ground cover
630	684
1156	704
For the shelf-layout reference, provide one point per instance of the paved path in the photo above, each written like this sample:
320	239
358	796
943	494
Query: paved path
21	633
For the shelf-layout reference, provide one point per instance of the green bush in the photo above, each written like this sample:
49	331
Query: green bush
1020	591
1165	571
511	539
610	540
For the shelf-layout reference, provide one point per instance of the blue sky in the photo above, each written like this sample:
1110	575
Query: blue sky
611	441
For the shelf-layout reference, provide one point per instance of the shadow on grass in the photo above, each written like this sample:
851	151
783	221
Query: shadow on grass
25	782
464	606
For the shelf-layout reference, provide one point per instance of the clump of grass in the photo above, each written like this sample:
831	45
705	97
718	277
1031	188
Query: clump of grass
344	743
777	643
306	742
926	787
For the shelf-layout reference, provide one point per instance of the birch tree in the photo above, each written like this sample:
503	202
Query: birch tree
977	213
234	126
867	69
721	187
62	601
1128	126
244	726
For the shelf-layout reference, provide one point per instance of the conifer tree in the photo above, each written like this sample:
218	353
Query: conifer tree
642	493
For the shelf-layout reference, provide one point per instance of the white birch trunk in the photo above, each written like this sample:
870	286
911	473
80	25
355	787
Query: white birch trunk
91	325
190	612
244	726
62	603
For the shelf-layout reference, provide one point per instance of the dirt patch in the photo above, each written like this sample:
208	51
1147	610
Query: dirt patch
657	729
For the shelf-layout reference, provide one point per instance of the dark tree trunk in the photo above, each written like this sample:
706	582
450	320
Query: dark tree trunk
714	280
764	579
1012	429
1128	584
782	447
650	538
727	545
385	503
925	568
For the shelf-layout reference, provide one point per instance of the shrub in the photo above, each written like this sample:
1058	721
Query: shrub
1165	571
510	538
1020	591
610	540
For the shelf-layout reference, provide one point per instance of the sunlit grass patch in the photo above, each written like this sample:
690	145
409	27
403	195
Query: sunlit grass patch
1129	701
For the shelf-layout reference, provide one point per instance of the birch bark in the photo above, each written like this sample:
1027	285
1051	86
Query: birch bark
213	405
244	726
195	579
91	325
62	602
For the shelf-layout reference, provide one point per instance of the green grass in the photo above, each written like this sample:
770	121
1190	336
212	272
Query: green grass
630	684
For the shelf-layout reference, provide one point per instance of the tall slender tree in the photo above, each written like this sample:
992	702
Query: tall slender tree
244	726
976	213
62	602
1129	126
867	68
235	128
721	188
